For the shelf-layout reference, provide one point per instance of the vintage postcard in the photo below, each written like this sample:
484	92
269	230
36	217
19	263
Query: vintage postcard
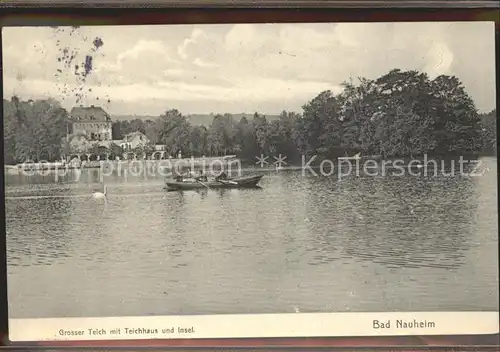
250	180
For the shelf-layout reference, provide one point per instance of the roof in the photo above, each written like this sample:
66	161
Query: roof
129	137
92	113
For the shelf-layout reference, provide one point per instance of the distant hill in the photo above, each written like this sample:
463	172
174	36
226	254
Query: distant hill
194	119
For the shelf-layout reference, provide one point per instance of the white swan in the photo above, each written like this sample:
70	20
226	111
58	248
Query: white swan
100	194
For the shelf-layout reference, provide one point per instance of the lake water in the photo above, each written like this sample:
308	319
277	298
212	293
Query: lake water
319	244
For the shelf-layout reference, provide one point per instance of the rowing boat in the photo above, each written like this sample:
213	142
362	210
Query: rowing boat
239	182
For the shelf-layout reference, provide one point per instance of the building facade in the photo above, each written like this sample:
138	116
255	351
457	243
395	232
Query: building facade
91	126
134	140
92	122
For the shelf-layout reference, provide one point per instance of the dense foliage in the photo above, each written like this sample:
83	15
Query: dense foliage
33	130
398	114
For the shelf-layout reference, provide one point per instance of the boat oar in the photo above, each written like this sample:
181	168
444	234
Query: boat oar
203	184
228	181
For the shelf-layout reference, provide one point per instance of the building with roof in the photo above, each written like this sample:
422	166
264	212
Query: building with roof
91	126
134	140
92	122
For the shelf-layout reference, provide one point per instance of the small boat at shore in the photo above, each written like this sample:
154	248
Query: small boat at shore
239	182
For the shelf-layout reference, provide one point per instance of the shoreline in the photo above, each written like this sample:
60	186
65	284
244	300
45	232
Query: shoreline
231	161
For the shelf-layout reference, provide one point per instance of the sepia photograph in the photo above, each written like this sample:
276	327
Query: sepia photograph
250	169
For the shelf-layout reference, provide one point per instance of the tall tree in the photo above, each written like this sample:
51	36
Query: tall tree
261	132
458	124
174	132
489	132
282	135
150	131
34	130
198	141
222	135
321	125
245	139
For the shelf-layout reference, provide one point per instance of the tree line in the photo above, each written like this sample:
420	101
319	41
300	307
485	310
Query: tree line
402	113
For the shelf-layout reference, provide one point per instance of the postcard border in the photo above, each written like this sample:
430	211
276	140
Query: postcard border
152	16
259	3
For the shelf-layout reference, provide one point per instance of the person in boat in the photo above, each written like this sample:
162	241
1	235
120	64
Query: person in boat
222	176
185	174
182	175
201	177
177	176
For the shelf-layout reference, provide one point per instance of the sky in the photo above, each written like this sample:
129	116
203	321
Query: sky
236	68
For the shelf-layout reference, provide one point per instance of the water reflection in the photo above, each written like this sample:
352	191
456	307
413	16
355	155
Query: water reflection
42	239
305	242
